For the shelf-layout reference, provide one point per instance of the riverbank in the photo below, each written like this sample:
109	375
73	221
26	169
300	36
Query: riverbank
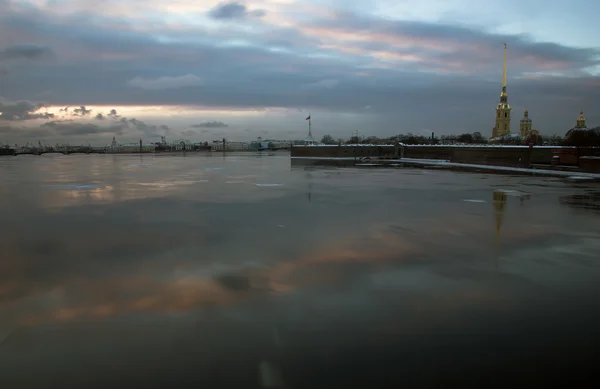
558	171
524	157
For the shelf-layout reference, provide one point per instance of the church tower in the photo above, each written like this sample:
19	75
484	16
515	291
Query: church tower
525	127
503	109
581	120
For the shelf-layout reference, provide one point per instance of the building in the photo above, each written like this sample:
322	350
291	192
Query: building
130	147
270	144
224	145
261	145
525	126
580	135
502	126
580	125
182	145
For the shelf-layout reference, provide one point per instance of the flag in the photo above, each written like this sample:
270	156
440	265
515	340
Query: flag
308	118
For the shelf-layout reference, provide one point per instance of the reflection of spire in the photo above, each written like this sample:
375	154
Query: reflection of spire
499	200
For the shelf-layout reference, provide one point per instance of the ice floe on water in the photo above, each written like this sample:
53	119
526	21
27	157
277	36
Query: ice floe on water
213	168
235	182
241	177
140	164
475	201
74	186
269	185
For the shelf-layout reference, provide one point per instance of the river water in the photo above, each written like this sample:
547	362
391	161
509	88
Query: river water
251	271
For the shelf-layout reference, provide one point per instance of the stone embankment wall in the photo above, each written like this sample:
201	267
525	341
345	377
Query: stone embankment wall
499	156
502	156
590	164
343	151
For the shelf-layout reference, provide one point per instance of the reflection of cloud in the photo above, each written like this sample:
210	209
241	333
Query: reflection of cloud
98	195
112	297
83	294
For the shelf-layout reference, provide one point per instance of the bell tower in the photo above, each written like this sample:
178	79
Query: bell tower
581	120
503	108
525	127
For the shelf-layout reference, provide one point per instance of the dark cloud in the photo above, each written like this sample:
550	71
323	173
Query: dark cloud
81	111
162	83
210	125
112	114
66	129
55	123
148	130
75	128
30	52
22	110
11	132
234	10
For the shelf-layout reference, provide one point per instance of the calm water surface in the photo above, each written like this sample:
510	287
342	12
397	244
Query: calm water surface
249	271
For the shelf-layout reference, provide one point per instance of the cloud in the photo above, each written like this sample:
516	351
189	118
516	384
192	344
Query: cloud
189	133
75	128
81	111
22	110
148	130
166	82
298	57
210	125
30	52
79	126
234	10
327	84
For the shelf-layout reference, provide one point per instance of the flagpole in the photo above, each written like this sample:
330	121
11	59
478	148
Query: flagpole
309	125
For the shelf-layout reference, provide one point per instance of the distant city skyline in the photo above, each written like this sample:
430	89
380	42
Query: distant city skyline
204	70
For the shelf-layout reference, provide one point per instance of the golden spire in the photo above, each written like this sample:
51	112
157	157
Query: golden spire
504	73
503	95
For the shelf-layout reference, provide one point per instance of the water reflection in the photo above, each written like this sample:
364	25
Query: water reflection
588	201
168	260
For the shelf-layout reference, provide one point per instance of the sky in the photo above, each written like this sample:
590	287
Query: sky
75	71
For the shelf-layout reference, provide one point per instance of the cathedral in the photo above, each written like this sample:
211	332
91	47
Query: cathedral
503	110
